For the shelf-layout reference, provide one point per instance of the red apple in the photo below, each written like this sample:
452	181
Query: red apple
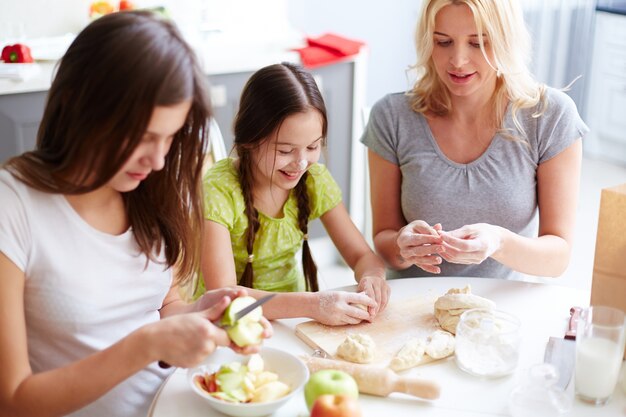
328	405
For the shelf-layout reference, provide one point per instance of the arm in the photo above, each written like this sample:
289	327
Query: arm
23	393
558	181
399	244
218	270
546	255
368	268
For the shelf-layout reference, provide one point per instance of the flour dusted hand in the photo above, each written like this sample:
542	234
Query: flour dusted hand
420	244
378	290
339	307
471	244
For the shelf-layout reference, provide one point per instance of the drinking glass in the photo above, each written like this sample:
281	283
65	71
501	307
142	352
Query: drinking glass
599	352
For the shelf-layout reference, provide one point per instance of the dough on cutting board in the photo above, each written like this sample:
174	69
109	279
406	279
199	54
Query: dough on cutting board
437	345
449	307
411	354
358	348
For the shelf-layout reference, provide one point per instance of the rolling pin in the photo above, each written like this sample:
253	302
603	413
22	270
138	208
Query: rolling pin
377	381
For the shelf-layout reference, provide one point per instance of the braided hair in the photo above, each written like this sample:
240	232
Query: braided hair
270	96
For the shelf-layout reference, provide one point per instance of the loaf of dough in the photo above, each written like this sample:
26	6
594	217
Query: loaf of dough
411	354
449	307
359	348
437	345
440	344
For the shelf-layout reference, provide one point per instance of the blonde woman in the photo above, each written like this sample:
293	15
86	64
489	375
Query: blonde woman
475	171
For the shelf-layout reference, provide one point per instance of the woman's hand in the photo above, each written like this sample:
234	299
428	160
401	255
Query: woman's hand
248	350
378	290
420	244
340	307
185	340
209	298
471	244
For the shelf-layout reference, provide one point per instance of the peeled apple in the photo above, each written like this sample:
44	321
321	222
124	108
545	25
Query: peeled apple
247	330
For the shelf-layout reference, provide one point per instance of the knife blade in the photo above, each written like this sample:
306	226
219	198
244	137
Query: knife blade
238	316
561	352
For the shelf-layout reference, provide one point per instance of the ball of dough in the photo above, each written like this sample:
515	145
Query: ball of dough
359	348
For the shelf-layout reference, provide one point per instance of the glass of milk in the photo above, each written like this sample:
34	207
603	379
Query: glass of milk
599	351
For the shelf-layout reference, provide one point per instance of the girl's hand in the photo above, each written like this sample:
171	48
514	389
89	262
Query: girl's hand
471	244
185	340
420	244
339	307
378	290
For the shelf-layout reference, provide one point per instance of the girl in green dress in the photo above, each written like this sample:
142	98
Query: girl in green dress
258	207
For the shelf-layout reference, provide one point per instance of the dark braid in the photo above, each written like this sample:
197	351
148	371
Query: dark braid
304	209
245	179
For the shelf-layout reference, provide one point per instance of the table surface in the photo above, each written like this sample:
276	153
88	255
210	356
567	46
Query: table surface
542	308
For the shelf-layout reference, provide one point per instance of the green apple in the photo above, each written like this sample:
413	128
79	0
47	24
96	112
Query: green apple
247	330
329	381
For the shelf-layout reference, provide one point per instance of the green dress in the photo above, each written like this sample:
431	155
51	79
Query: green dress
276	267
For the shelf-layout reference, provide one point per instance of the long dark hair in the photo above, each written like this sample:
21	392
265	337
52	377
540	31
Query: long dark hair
117	70
270	96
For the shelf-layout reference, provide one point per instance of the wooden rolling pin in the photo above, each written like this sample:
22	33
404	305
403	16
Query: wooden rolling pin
377	381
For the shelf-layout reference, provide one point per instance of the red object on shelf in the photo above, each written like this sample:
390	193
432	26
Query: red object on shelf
327	48
16	54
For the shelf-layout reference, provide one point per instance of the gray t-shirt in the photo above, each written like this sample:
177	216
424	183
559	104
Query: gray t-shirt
499	187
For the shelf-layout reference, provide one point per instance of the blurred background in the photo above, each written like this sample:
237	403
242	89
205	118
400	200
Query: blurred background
582	40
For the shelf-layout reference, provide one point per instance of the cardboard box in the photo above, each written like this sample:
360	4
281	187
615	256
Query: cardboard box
609	267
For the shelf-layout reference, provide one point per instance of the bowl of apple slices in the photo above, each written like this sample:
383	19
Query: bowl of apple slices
248	386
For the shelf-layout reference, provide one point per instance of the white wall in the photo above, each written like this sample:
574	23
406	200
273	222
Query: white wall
45	17
386	26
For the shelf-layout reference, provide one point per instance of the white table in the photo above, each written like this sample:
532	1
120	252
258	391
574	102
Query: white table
542	308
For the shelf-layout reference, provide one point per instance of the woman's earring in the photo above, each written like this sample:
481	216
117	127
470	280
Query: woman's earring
498	73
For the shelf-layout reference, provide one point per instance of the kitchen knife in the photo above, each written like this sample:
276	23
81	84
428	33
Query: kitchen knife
375	380
238	316
561	352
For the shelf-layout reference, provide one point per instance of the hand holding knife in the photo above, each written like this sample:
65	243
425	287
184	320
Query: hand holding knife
238	316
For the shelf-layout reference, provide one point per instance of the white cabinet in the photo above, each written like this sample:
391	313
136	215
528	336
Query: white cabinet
606	110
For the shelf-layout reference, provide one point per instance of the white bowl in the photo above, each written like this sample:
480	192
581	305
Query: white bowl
289	368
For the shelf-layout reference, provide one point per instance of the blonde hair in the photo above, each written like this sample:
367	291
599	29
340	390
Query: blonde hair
502	21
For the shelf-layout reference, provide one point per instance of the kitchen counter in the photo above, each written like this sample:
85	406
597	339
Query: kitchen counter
39	82
542	308
215	61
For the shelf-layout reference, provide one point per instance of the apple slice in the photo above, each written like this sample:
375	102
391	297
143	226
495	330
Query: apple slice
270	392
247	330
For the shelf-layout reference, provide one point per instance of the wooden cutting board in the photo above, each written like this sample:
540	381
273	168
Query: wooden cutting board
401	321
